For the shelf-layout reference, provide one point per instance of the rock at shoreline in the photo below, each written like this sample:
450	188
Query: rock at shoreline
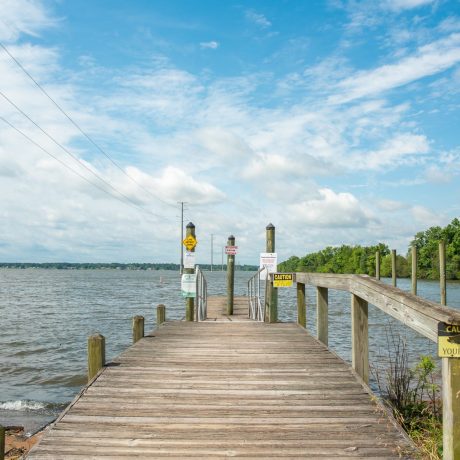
17	443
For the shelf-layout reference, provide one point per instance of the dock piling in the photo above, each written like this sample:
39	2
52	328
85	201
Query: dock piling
442	272
301	306
322	313
230	276
360	337
190	301
377	265
96	354
414	269
2	442
138	328
393	266
161	314
272	291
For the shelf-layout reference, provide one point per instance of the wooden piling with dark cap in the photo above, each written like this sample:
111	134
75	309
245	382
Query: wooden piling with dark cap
230	276
96	354
161	314
301	306
442	272
377	265
190	301
138	328
272	291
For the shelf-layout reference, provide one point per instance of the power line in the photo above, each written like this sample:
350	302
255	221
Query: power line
74	156
73	170
88	137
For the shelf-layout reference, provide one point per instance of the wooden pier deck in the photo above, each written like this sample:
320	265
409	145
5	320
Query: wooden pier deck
218	389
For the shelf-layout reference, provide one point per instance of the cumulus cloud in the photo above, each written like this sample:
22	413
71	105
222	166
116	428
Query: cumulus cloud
213	45
399	5
331	209
174	185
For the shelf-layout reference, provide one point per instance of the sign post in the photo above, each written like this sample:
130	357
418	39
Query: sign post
189	243
230	272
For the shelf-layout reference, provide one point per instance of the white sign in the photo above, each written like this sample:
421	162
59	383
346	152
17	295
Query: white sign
188	285
269	260
189	259
231	250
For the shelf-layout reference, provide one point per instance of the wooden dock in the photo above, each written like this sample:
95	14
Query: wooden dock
225	388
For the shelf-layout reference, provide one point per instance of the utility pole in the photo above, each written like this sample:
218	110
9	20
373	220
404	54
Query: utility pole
212	250
181	269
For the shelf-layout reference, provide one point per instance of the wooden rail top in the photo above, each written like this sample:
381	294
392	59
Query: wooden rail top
419	314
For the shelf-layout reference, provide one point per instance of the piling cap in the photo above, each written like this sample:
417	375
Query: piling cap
270	227
190	225
231	237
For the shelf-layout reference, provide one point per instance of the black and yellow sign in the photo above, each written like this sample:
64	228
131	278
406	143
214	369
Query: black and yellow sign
282	279
189	242
448	340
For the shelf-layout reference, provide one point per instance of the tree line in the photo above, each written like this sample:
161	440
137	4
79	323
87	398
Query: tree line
361	259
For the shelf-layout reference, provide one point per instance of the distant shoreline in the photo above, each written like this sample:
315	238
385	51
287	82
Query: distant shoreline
114	266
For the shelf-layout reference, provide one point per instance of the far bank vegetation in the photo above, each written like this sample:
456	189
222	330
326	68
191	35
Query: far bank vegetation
361	259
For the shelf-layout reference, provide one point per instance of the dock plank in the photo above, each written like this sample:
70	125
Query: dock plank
225	389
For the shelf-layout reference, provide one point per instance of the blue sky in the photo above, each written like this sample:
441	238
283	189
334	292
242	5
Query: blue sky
335	120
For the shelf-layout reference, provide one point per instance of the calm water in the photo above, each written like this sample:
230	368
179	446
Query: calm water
47	315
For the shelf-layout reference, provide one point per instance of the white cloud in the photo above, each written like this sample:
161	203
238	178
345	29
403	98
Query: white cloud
19	17
428	60
258	19
398	5
176	185
331	209
426	217
393	153
213	45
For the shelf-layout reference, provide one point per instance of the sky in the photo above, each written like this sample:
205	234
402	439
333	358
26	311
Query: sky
337	121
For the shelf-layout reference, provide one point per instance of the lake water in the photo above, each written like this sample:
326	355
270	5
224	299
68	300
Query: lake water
46	317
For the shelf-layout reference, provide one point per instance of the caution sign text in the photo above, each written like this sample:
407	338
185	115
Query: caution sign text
448	340
282	279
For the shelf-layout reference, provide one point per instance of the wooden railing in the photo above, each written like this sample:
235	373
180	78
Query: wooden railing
419	314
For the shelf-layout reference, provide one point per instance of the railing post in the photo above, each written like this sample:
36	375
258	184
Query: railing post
301	306
377	265
96	354
230	276
451	408
2	442
442	272
393	266
138	328
360	337
190	301
272	291
161	314
322	314
414	269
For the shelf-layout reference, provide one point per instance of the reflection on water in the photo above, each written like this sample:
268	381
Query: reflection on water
47	315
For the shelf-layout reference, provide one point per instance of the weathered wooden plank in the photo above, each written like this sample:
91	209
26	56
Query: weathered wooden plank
213	390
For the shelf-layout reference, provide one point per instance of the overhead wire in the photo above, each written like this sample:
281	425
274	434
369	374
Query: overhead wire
63	163
87	136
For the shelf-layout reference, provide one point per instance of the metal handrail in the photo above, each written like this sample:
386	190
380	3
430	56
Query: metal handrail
256	305
201	295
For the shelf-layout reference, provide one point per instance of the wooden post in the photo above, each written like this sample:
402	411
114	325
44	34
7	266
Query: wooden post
301	306
190	301
161	314
393	266
451	408
322	314
442	272
96	354
230	276
2	442
273	292
138	328
377	265
414	269
360	337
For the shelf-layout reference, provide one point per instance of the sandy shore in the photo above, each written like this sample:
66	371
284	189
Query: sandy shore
17	444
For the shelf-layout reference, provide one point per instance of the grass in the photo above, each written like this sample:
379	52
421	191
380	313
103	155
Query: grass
413	396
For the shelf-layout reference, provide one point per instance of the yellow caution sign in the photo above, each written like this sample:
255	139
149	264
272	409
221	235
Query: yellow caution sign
448	340
189	242
282	279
